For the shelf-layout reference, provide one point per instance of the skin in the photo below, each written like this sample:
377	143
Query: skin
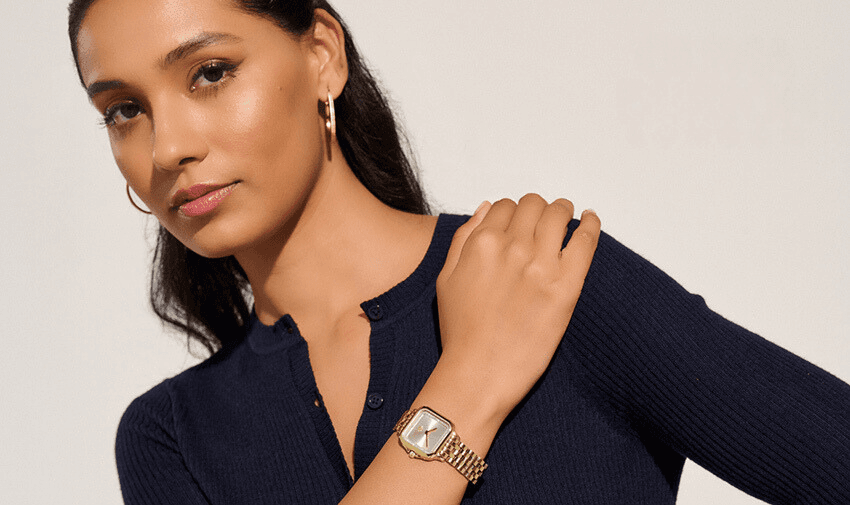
242	111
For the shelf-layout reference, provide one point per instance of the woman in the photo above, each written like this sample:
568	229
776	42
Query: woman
213	119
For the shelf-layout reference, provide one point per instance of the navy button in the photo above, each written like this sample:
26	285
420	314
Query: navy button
375	313
374	401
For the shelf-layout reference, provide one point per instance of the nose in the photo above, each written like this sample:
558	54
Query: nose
177	137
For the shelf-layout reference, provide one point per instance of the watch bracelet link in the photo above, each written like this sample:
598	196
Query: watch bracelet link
405	418
462	458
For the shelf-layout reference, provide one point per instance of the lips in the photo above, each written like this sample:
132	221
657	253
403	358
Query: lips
201	199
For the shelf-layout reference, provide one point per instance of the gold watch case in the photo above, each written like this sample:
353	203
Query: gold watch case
425	433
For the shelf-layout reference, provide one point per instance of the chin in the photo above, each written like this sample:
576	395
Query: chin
212	242
212	253
221	247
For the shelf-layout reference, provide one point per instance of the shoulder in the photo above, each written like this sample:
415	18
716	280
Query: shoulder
147	425
151	441
623	281
152	414
613	259
149	432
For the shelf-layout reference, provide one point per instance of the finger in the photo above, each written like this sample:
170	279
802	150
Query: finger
460	236
578	254
552	226
499	215
525	218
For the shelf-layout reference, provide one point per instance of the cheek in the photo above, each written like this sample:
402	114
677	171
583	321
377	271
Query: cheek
133	162
245	119
270	124
133	157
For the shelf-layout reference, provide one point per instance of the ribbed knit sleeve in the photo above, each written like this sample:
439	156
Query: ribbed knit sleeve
757	416
150	466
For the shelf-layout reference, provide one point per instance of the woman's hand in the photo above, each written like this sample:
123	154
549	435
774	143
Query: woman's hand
506	295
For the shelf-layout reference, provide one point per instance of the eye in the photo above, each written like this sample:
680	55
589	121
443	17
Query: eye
120	113
211	74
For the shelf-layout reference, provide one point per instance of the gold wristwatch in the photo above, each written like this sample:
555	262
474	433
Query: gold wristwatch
424	434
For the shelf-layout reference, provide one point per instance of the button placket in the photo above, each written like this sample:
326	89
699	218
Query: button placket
371	435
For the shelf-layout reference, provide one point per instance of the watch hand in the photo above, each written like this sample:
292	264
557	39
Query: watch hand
426	435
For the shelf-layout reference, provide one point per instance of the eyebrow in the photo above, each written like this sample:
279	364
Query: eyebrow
101	86
184	50
195	44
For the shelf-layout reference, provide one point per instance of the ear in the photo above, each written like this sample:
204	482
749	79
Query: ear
328	45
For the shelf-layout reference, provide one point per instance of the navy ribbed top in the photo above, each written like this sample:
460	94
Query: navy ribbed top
645	376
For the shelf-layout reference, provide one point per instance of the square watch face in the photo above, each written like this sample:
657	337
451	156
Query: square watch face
425	433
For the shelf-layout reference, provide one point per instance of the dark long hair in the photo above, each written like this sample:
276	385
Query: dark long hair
208	298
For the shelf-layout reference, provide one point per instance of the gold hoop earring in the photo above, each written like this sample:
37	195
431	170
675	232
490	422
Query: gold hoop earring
134	203
330	123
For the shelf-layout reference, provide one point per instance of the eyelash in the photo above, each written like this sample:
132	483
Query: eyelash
227	69
108	119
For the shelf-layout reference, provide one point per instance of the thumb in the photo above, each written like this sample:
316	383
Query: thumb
460	237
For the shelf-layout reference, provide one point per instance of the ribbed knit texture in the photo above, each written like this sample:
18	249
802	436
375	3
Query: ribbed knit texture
646	376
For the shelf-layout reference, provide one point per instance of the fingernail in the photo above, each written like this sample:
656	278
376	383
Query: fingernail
588	211
480	207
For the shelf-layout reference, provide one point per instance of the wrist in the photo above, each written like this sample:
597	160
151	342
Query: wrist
455	392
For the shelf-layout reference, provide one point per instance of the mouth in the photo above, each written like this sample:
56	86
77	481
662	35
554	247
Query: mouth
200	198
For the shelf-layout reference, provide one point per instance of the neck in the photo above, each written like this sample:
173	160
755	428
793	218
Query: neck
344	247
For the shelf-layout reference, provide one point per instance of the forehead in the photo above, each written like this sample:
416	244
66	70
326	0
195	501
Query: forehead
119	31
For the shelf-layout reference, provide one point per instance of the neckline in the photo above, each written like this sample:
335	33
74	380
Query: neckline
382	309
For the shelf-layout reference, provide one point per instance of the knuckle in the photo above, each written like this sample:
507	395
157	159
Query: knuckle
532	198
505	202
561	210
538	272
585	237
485	239
566	205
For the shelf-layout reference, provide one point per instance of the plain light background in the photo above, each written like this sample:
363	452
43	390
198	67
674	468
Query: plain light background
712	137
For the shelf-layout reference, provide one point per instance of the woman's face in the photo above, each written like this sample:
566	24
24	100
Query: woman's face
212	115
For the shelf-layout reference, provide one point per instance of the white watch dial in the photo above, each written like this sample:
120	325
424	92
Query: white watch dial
425	432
